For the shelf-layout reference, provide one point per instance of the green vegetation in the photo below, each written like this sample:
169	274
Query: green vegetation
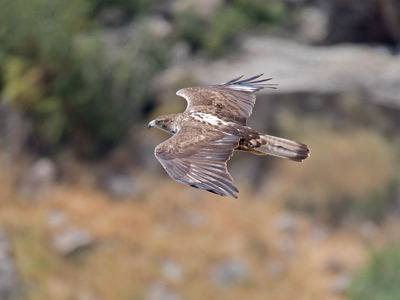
57	69
128	7
380	280
84	85
215	35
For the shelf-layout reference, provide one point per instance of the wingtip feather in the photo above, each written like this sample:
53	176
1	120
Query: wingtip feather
251	84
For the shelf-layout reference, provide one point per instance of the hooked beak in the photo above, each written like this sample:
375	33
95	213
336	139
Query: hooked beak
151	124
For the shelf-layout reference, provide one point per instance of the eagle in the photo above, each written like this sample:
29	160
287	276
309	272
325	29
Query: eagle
211	128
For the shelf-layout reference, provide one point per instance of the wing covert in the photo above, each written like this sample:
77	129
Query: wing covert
235	98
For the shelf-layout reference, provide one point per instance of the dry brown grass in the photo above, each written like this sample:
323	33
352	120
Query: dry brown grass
353	163
348	169
134	236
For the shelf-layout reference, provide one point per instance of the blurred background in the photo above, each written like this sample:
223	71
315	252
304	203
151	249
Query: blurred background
86	211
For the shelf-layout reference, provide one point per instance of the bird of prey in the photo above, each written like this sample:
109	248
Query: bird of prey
211	128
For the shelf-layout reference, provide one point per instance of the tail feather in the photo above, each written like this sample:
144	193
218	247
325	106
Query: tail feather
283	148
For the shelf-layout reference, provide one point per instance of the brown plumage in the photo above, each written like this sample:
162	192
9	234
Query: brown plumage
211	127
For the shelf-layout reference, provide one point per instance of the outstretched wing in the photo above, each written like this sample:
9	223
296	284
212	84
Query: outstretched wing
197	156
234	99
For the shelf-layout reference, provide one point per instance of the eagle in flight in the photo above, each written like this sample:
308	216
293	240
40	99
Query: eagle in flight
211	127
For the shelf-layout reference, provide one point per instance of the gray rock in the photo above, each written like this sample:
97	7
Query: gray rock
195	219
230	272
37	179
288	245
120	186
341	283
8	276
374	72
171	270
70	240
319	234
87	295
56	219
285	222
14	130
160	291
369	230
275	268
158	26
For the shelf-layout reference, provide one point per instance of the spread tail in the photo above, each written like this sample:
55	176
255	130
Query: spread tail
283	148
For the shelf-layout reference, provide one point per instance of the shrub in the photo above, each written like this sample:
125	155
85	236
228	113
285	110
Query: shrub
114	87
380	280
41	30
70	78
215	35
223	28
36	46
129	7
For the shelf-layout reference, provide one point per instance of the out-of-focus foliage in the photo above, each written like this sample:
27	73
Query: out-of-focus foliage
55	68
129	7
41	30
381	279
216	35
82	84
36	54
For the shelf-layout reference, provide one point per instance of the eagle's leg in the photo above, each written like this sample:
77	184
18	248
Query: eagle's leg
249	149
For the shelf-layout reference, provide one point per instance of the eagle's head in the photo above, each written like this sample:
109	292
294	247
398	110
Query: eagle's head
167	123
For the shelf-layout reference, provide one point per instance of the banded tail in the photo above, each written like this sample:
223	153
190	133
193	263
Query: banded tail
282	148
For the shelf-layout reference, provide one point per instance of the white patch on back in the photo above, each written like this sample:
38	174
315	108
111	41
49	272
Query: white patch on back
210	119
